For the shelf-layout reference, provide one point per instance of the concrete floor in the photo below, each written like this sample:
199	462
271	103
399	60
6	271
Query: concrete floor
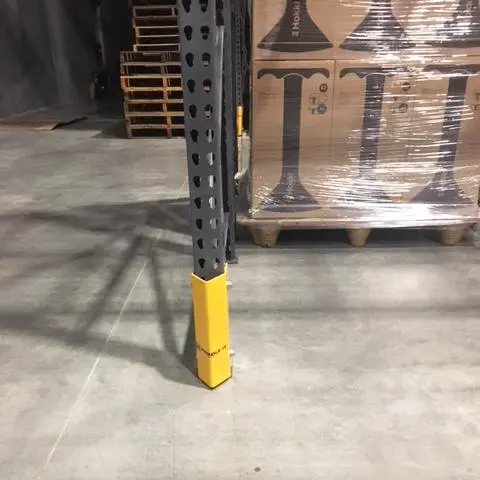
350	364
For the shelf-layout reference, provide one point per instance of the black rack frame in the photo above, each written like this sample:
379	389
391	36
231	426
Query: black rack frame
213	73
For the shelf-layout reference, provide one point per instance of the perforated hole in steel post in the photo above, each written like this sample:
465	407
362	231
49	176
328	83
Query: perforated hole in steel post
194	135
191	85
187	5
198	38
188	31
205	31
210	134
193	110
189	58
207	85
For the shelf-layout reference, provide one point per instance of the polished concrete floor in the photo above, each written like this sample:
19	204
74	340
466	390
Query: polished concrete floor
350	364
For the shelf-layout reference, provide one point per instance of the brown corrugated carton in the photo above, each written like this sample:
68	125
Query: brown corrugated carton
444	28
371	122
291	121
443	164
407	128
361	144
329	29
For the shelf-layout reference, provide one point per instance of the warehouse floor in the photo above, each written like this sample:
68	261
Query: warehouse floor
349	364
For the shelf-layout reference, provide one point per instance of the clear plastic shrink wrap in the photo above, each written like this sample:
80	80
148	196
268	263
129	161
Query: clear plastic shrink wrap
366	113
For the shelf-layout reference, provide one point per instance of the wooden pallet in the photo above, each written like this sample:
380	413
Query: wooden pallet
157	47
151	82
158	57
132	69
174	107
154	3
147	34
150	99
153	20
166	25
150	68
265	233
136	130
139	3
143	11
160	23
168	95
161	39
164	114
145	64
151	77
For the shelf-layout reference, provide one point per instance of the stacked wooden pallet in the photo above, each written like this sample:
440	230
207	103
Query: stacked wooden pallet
151	74
155	24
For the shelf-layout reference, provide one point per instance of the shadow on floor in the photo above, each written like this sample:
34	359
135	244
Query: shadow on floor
113	130
100	127
139	227
171	215
103	118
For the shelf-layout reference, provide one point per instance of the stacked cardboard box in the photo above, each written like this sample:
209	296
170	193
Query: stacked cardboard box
366	114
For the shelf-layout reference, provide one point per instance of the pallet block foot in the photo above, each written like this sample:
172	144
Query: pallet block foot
265	236
452	235
358	236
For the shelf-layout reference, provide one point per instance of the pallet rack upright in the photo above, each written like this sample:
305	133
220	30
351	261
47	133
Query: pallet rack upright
211	68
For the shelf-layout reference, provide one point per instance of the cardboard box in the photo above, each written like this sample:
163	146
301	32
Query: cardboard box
444	28
452	84
445	128
329	29
408	127
291	132
371	124
360	144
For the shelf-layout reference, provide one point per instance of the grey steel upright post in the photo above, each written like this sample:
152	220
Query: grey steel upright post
229	130
239	8
201	48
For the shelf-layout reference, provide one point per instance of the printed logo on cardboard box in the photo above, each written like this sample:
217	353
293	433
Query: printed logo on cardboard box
463	30
379	31
372	113
295	32
290	195
443	189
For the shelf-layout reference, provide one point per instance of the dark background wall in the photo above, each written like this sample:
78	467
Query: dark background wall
47	50
117	29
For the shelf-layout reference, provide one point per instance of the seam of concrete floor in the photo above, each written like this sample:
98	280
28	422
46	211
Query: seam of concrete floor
84	390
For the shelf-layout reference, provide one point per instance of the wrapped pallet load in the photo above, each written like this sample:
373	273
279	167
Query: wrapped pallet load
364	115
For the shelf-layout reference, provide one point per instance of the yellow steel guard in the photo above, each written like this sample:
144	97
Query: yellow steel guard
210	311
239	121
